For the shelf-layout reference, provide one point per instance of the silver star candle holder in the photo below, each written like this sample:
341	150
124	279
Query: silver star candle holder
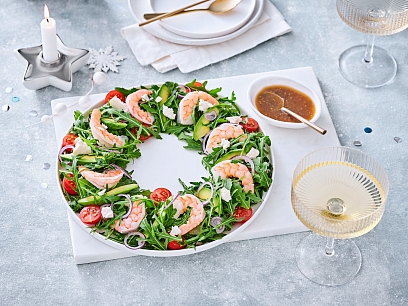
40	73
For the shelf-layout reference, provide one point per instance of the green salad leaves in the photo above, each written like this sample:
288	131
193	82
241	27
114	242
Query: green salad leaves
239	169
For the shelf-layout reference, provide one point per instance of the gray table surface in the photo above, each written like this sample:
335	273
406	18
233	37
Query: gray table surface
36	262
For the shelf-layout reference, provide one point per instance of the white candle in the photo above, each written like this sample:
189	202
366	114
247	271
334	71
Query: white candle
49	37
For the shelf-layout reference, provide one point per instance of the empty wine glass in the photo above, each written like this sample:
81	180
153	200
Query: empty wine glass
338	193
367	65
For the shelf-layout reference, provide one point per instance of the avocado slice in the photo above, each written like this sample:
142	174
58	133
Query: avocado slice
86	159
164	93
230	155
98	200
111	123
204	193
201	127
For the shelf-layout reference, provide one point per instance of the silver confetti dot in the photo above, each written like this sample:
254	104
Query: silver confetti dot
33	113
9	90
44	185
46	166
29	158
5	108
357	143
397	139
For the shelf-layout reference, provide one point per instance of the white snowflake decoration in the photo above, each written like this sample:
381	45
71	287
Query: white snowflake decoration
104	60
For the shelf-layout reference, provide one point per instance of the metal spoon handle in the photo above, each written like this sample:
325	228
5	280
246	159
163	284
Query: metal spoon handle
149	16
171	13
305	121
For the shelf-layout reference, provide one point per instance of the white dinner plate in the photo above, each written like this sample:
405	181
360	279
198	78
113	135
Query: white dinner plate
149	176
203	24
139	7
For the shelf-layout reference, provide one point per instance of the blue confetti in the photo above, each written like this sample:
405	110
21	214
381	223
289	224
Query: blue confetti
15	99
368	130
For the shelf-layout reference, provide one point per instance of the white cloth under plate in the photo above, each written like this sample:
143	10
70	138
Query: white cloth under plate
165	56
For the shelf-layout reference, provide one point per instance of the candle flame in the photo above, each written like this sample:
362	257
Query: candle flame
46	12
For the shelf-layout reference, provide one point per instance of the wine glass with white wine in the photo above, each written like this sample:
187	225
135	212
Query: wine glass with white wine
369	66
338	193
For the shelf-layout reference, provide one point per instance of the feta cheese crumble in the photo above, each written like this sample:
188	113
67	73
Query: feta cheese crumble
158	99
224	143
81	147
145	98
102	192
234	119
168	112
107	212
225	194
116	103
253	153
175	231
204	105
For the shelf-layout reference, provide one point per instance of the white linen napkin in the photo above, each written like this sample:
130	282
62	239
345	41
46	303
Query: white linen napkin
165	56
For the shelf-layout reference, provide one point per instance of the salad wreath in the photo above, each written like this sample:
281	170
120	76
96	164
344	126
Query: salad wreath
104	195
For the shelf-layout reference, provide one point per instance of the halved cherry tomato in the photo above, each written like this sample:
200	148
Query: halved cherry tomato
142	137
90	215
69	185
197	84
69	140
160	194
242	214
174	245
249	124
115	93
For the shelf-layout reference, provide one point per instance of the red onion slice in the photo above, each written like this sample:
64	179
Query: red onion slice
184	88
212	192
172	201
210	116
203	144
121	169
63	149
140	244
130	205
248	160
214	222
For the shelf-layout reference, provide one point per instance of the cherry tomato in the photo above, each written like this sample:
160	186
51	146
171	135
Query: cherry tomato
142	137
69	185
90	215
115	93
241	212
69	140
160	194
197	84
249	124
175	245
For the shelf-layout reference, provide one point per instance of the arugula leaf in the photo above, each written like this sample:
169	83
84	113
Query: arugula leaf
238	194
191	143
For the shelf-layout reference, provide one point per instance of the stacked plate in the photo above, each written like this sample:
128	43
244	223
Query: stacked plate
200	27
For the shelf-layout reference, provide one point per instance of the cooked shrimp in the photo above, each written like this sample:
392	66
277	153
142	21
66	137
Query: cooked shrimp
187	104
197	213
132	222
100	180
100	133
227	169
224	131
132	102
